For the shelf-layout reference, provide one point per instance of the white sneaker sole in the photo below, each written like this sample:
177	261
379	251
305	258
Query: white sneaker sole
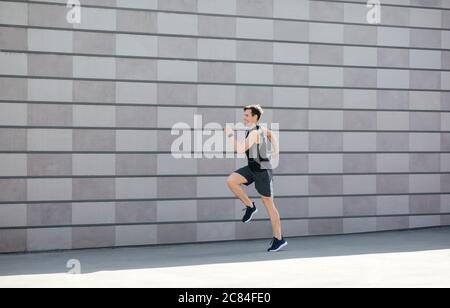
251	216
279	248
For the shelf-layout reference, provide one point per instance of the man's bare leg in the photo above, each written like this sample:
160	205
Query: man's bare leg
234	182
274	216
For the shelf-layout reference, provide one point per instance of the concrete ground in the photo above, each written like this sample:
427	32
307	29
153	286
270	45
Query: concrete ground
417	258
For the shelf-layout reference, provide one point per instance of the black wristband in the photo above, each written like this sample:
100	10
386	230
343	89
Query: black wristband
230	135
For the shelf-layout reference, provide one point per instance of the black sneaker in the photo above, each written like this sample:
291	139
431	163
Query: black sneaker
277	244
249	212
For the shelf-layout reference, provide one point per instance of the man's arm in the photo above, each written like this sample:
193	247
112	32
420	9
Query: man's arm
274	141
241	147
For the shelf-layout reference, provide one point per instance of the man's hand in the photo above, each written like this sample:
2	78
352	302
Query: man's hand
228	130
275	154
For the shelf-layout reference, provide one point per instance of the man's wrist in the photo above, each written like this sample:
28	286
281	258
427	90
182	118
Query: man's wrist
230	135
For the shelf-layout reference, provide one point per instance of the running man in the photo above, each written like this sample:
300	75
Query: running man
258	170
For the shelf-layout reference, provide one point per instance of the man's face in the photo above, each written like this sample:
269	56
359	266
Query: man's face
250	119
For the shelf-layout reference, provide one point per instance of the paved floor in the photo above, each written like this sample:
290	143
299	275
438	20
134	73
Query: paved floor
418	258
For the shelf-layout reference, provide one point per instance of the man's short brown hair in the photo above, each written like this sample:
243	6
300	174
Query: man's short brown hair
256	110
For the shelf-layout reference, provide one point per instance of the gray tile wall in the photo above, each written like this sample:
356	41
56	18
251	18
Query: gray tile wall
85	113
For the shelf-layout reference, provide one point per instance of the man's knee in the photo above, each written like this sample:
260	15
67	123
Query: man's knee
231	181
267	200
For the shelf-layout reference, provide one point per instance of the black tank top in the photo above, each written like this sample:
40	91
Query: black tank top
258	154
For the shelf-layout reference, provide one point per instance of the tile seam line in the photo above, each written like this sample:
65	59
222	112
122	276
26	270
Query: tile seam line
273	18
30	202
155	58
291	130
121	176
216	221
219	83
169	152
218	37
275	108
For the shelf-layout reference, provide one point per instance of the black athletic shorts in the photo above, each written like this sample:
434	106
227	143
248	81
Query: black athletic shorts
263	179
